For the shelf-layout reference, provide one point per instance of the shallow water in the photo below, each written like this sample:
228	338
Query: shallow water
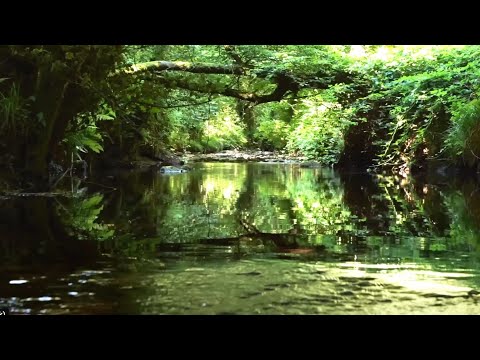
230	238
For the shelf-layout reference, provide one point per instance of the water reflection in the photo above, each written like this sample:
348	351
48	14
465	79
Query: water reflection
379	217
237	237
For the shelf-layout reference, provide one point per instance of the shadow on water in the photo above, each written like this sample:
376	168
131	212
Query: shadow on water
245	239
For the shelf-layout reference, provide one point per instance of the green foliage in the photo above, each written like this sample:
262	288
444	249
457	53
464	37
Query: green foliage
315	206
187	126
404	103
318	205
13	111
84	135
212	127
318	130
202	127
413	94
272	134
49	88
155	130
273	126
135	54
463	137
83	140
464	218
223	131
82	217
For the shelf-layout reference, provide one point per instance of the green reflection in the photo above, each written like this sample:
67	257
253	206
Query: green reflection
464	210
80	216
246	238
264	208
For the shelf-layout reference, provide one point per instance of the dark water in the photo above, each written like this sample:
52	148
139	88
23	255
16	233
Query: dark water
244	239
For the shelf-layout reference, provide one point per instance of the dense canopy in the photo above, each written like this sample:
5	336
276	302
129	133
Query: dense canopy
404	108
228	179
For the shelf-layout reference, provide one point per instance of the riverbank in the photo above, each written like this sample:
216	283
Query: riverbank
244	156
434	172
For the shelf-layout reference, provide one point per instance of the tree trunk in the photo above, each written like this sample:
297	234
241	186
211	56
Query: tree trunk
48	101
69	108
247	116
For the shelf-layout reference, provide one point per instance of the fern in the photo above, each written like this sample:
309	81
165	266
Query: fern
83	215
84	140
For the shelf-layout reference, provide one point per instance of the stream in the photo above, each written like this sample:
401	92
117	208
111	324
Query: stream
244	238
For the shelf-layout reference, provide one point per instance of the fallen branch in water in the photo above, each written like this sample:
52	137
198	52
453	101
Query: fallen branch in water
36	194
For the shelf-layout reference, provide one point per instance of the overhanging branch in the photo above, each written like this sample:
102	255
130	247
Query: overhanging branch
286	82
198	68
277	94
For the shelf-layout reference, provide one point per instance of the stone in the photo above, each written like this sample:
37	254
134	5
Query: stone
174	169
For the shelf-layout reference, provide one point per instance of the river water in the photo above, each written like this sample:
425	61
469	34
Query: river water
256	238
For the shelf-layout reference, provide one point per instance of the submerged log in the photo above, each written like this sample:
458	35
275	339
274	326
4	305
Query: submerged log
11	194
283	242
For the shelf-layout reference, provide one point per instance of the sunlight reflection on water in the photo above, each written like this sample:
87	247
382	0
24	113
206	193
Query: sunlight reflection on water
245	239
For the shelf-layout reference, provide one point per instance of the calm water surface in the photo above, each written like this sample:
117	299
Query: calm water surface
229	238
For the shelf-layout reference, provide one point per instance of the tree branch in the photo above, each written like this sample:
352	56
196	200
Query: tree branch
198	68
277	94
232	52
286	82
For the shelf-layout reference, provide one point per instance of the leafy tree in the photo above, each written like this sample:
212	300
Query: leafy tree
384	106
55	84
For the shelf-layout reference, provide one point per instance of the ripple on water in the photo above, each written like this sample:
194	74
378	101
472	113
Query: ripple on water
331	245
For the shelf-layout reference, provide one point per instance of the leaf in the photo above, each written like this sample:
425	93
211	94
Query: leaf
105	117
93	145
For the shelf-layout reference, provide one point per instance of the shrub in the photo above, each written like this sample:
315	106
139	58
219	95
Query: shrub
463	136
273	125
319	130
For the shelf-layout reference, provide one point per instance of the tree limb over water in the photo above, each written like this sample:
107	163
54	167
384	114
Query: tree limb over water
286	82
